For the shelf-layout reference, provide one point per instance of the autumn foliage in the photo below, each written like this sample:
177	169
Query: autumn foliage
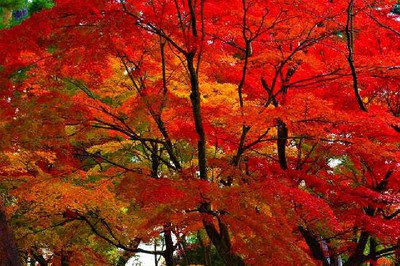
269	128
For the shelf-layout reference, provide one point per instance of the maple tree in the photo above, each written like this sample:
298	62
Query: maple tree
268	129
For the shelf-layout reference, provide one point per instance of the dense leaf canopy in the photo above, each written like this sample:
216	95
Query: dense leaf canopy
267	129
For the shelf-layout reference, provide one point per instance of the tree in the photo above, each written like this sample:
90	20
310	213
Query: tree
270	127
39	5
7	6
13	12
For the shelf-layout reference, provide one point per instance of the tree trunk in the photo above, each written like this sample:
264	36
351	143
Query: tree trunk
281	143
169	248
358	257
198	120
8	248
372	252
222	243
314	245
206	249
38	257
207	255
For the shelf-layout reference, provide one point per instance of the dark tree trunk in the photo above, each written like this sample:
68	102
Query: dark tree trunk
198	120
8	248
207	255
358	257
372	252
222	243
314	245
281	144
206	249
38	257
169	248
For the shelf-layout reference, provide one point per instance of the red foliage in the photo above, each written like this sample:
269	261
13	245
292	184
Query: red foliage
273	125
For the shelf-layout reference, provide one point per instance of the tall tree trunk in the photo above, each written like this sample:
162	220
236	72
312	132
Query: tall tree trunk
8	248
222	243
198	120
372	252
350	57
281	143
168	254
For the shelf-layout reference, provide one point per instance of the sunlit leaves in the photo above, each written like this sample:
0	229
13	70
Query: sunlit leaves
98	123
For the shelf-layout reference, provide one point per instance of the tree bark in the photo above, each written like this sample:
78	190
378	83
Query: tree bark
281	143
358	257
206	250
222	243
372	252
314	245
196	108
8	248
169	248
350	57
38	257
